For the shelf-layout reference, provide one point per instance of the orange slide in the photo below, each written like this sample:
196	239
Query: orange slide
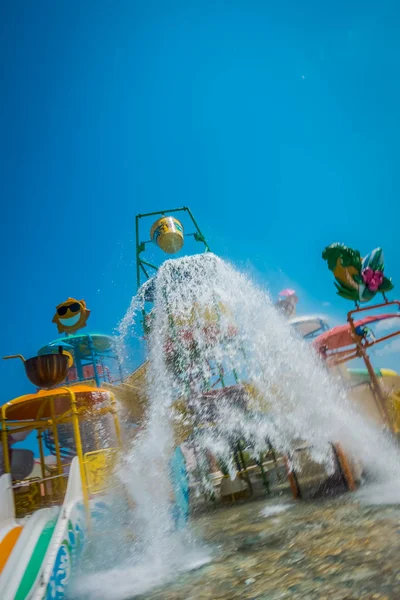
7	544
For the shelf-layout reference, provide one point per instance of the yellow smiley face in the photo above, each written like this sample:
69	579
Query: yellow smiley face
71	315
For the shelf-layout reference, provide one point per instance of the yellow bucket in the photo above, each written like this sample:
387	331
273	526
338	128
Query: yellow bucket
167	234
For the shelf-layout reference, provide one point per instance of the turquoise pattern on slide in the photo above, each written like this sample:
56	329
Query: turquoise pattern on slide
180	482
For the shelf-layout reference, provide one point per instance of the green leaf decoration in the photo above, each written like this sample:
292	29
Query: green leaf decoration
348	256
346	286
386	285
347	297
374	260
346	292
367	295
338	256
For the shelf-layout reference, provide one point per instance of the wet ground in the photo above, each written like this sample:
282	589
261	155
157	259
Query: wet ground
276	548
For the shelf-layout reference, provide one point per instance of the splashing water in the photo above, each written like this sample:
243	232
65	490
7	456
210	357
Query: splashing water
277	509
209	321
210	326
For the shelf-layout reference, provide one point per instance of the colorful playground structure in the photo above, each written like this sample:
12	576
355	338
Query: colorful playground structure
49	510
44	520
376	392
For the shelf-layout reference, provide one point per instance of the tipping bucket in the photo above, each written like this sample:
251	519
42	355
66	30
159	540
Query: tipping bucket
167	234
47	370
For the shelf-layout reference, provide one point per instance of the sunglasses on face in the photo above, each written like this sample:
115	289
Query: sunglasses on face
74	307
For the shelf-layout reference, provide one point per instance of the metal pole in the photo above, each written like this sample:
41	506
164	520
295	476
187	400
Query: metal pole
115	418
161	212
201	236
237	461
264	476
55	435
79	451
272	451
239	445
140	246
4	438
121	375
103	368
92	354
376	388
137	251
78	362
221	374
41	453
148	264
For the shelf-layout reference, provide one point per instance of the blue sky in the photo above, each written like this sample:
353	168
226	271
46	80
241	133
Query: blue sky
276	122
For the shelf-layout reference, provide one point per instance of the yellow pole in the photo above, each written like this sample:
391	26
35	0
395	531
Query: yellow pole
41	454
115	417
32	425
43	485
4	439
55	434
79	452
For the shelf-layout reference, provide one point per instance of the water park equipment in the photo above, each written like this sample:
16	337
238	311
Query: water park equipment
376	392
44	520
287	301
48	514
357	279
168	234
71	316
93	358
309	327
47	370
360	280
308	479
342	344
216	328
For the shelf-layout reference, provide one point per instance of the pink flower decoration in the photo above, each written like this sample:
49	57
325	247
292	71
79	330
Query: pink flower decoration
372	279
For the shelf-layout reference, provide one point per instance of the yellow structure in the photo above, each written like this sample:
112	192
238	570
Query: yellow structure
71	316
167	234
52	410
360	391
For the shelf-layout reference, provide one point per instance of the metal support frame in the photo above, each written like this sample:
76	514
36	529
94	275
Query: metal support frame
41	453
367	344
93	357
359	350
141	263
143	267
242	460
79	451
4	439
114	413
98	359
362	352
73	415
55	436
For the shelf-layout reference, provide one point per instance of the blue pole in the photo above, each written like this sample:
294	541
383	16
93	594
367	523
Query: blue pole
78	361
91	348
